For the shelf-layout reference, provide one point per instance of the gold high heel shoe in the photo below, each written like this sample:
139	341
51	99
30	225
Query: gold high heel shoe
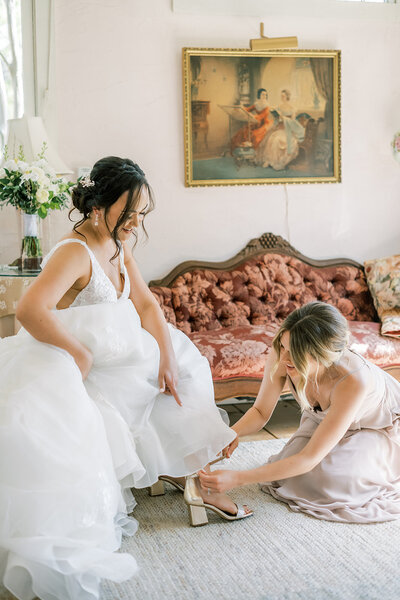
158	488
197	507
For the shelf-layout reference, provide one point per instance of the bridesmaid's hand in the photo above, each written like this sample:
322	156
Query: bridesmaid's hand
219	481
230	449
84	360
168	377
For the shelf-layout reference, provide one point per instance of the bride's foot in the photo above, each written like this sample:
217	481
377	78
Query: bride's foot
199	501
221	501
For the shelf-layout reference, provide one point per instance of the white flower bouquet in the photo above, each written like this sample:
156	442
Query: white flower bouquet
35	189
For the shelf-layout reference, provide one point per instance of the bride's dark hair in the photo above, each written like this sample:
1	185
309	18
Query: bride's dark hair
109	179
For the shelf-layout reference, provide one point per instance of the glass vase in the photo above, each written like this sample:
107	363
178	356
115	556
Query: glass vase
31	248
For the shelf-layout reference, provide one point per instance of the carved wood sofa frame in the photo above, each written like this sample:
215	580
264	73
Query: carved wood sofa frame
268	243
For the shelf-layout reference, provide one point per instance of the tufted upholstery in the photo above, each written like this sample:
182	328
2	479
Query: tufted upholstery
232	315
261	291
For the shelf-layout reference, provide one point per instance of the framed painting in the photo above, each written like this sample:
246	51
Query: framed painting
259	117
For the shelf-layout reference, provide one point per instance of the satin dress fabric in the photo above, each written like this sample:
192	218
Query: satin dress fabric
359	480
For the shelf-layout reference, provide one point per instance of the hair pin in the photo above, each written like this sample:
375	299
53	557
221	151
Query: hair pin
86	181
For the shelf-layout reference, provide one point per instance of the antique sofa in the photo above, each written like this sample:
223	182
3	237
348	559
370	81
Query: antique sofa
232	309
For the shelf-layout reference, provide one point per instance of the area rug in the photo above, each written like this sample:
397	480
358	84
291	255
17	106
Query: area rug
275	555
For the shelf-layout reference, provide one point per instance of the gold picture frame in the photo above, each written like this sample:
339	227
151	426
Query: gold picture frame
261	117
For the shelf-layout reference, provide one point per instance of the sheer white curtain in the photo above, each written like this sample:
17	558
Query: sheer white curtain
11	93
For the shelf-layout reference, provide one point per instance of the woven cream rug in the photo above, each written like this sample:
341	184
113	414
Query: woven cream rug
275	555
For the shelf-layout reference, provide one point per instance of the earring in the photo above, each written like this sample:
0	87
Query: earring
96	220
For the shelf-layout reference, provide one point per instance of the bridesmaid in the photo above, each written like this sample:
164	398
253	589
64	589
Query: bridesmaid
343	463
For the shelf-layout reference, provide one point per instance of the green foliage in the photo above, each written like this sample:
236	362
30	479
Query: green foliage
21	155
42	211
43	150
18	191
31	246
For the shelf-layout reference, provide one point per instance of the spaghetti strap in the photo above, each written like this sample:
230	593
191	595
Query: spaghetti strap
121	258
359	355
62	243
344	377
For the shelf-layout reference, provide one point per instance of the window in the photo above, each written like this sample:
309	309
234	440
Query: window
11	93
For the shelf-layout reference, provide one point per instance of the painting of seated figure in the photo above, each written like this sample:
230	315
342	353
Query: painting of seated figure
261	117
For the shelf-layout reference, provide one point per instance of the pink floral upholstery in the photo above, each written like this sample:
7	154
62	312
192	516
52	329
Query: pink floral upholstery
367	340
383	277
235	351
242	351
263	290
232	316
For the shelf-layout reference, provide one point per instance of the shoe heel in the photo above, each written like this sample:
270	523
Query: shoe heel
197	516
157	489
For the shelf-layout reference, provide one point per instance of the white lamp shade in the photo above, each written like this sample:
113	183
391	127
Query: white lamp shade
30	133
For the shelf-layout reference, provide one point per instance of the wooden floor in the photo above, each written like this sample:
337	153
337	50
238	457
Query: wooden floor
283	423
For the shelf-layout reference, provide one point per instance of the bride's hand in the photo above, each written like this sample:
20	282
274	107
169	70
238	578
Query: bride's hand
230	449
84	360
219	481
168	377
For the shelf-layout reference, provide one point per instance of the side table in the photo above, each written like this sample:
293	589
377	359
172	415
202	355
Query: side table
13	283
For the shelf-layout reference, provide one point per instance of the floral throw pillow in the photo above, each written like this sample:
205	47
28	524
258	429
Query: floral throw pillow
383	276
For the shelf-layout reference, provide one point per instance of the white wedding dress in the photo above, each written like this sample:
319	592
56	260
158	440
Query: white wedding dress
71	450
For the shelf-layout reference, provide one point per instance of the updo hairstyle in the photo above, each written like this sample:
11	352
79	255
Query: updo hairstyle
111	176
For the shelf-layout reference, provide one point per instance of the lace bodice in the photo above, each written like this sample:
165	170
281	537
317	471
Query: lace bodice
99	290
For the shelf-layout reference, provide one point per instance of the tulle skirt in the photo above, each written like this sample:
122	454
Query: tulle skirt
71	450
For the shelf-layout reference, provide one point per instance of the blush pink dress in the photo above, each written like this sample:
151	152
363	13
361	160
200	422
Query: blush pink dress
359	480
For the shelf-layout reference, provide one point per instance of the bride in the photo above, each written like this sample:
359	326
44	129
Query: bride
98	395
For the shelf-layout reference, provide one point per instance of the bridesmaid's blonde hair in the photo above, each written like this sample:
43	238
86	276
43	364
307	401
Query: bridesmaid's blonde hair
317	330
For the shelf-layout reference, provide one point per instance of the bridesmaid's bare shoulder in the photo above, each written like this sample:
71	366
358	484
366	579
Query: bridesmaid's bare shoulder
352	386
